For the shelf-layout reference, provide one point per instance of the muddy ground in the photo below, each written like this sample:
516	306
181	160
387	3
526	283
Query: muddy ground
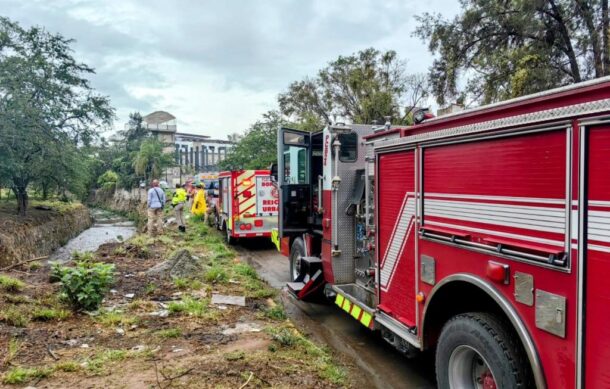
159	332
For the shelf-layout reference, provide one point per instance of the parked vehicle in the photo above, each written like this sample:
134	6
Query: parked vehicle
483	235
248	204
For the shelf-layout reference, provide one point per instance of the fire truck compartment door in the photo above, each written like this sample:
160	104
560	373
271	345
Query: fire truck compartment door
294	170
597	260
396	235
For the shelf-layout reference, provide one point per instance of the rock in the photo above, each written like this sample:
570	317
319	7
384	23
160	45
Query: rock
181	264
221	299
161	313
120	331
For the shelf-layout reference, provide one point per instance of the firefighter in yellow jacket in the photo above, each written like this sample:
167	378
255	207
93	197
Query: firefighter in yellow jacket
200	207
178	201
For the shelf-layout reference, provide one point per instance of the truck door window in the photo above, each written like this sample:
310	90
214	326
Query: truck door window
349	147
296	165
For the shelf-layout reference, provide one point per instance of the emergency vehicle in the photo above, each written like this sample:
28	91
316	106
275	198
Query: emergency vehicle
483	236
247	205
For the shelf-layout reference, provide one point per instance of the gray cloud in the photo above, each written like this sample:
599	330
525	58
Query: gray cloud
205	61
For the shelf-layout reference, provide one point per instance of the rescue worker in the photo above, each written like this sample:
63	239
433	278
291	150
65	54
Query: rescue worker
156	201
200	207
178	200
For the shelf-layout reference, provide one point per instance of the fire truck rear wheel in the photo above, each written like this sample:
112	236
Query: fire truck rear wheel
230	239
475	350
296	252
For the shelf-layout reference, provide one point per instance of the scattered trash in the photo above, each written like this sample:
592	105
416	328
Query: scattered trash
114	291
177	350
229	300
130	295
222	307
84	345
177	294
138	348
241	328
120	331
161	313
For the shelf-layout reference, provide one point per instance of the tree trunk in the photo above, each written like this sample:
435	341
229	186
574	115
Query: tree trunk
587	15
605	31
45	191
565	35
22	200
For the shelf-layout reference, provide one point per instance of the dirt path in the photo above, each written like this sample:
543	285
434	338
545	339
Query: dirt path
383	366
154	331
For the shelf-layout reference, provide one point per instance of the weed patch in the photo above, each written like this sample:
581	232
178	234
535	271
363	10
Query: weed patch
20	375
115	318
170	333
216	273
14	316
11	284
49	314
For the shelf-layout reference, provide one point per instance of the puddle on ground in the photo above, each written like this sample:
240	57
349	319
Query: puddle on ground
107	227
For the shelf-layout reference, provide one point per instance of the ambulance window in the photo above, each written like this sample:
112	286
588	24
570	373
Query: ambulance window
349	147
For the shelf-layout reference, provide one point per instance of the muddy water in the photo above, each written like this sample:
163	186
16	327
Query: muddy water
107	227
380	363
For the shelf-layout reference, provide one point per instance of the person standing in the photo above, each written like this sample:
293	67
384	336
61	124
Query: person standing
200	207
178	201
156	201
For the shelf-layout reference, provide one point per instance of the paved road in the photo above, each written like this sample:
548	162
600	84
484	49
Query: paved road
380	364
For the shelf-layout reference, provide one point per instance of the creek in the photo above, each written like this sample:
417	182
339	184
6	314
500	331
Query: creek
107	227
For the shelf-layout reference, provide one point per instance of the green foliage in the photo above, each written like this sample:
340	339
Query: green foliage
20	375
235	356
169	333
50	314
276	313
150	160
14	316
108	180
257	148
494	50
84	284
362	87
49	112
114	318
192	307
11	284
216	273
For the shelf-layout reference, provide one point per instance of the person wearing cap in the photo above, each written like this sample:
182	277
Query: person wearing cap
156	201
200	207
178	201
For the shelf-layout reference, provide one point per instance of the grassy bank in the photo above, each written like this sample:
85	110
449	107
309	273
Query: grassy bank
159	331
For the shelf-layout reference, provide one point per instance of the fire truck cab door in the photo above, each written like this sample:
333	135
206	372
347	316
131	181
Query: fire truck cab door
597	259
294	180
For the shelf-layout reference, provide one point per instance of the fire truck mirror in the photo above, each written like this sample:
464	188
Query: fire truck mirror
273	174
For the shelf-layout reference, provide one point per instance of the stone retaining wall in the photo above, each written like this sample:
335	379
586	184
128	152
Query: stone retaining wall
40	233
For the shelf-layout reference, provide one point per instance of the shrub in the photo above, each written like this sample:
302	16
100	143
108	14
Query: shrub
108	180
170	333
14	316
85	284
11	284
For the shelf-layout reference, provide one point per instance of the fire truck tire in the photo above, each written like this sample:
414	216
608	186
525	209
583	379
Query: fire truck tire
475	350
296	251
230	239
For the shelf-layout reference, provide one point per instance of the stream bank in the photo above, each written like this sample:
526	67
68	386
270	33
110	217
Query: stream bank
47	226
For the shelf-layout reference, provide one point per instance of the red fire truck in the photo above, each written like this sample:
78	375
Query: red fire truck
483	235
247	205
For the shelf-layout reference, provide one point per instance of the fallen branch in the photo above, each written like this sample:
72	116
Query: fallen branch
52	354
246	383
23	263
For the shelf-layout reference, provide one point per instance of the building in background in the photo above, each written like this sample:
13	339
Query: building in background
194	154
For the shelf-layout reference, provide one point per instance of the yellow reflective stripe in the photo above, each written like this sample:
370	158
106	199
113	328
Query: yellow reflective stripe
346	305
356	312
339	300
366	319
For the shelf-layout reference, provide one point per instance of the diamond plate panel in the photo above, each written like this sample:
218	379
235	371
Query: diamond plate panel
551	313
524	288
587	108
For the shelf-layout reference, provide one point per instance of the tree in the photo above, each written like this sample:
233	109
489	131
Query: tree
150	160
257	148
367	86
47	106
502	49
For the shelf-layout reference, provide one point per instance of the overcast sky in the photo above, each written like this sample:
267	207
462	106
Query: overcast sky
218	65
